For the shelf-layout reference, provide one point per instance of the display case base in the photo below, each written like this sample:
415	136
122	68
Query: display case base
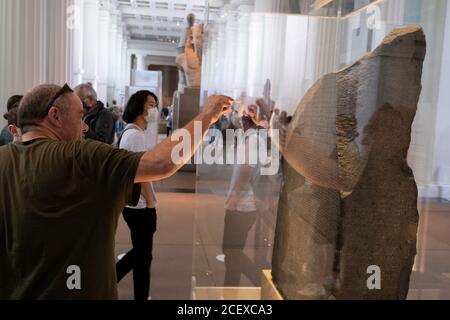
267	291
226	293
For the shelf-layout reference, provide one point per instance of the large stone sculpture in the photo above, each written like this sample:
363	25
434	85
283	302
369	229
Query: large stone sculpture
186	33
349	201
190	62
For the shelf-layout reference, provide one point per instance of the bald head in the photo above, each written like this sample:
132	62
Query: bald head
33	106
62	121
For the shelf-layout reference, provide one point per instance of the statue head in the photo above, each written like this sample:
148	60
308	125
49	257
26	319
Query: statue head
191	19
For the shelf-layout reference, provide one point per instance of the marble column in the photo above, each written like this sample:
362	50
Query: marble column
91	20
429	132
76	12
140	65
124	75
242	56
255	52
118	59
103	53
35	45
441	165
113	29
141	62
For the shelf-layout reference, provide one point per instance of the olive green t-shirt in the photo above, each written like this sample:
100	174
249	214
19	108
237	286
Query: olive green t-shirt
59	207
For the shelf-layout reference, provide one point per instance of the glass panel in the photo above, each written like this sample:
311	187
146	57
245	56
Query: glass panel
276	51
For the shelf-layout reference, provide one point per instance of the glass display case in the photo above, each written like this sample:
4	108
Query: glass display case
273	55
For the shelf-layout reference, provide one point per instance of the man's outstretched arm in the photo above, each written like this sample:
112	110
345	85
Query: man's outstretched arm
157	164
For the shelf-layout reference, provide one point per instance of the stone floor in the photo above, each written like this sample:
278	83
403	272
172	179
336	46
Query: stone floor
188	251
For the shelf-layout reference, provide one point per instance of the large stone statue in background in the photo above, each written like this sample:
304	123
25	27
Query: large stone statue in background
349	201
189	62
185	34
187	99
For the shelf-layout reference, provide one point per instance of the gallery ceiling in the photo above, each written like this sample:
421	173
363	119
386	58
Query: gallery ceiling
160	20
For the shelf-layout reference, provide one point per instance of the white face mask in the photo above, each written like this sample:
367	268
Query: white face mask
153	114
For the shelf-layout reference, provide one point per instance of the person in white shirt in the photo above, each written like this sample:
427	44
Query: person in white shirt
241	212
141	219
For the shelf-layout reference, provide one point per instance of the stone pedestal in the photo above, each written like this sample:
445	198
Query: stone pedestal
226	293
186	109
269	291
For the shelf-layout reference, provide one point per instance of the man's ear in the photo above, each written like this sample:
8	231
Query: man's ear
54	117
13	130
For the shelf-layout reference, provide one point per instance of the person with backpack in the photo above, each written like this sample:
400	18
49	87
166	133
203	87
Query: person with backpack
142	218
99	120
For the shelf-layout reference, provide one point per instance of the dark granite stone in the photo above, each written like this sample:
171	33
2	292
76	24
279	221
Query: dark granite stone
349	199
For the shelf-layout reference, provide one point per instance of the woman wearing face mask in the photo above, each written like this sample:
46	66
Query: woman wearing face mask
141	219
152	131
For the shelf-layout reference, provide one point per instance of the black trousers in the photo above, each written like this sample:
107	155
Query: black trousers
142	224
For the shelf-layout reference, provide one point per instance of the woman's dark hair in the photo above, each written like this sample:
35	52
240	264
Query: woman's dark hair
11	116
135	106
13	103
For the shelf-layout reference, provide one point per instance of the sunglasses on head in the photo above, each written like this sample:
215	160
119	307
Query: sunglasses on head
61	92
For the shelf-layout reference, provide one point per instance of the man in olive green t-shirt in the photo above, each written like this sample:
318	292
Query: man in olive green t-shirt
61	196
